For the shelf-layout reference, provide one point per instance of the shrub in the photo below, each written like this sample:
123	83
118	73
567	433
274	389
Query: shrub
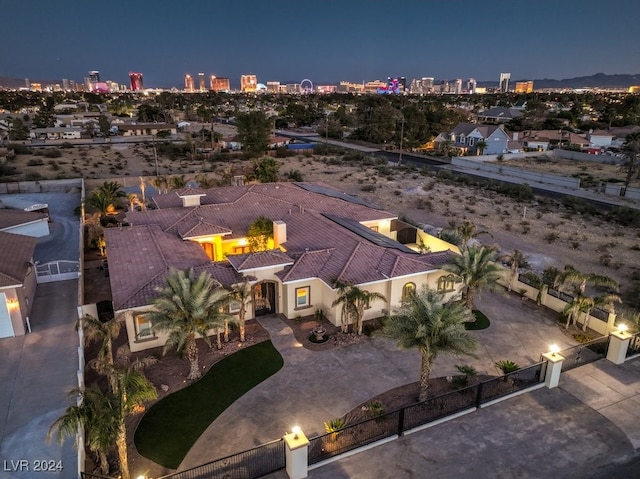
369	188
53	153
35	162
374	408
19	149
334	425
506	366
551	237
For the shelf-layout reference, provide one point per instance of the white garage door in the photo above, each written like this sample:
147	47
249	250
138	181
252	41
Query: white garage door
6	328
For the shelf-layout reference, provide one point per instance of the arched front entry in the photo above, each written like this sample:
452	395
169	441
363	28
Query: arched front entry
264	298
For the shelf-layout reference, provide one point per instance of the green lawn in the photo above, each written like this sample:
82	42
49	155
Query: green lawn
481	322
171	426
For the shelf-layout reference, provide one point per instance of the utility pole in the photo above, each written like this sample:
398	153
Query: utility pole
155	153
401	138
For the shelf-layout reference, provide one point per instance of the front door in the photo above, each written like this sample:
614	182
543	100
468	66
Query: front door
264	298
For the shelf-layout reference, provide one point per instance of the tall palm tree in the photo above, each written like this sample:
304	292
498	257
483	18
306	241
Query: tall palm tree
579	304
577	280
143	190
107	196
103	332
467	231
188	306
516	260
354	301
103	415
241	293
427	323
205	181
132	199
161	184
177	182
476	268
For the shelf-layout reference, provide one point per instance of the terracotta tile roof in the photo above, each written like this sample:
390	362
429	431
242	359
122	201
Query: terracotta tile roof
190	191
145	254
223	272
307	265
16	251
10	218
195	227
261	259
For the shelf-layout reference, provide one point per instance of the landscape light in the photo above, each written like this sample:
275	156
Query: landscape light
554	349
622	327
296	430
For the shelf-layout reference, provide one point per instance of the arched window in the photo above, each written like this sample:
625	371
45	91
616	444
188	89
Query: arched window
407	290
446	284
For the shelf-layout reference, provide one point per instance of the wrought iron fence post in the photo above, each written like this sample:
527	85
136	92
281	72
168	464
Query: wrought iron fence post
401	422
479	395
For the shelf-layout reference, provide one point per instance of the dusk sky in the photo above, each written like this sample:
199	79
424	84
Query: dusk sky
323	40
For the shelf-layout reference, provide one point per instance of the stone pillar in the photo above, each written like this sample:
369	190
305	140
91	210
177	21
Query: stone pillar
296	454
554	366
618	346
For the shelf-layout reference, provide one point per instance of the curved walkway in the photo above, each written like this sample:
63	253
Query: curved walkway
314	387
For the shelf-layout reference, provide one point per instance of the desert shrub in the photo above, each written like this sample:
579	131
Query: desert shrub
33	176
374	408
506	366
551	237
368	188
66	145
624	216
19	149
35	162
579	205
334	425
53	153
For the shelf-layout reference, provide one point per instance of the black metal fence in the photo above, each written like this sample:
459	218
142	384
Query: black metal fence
88	475
256	462
585	353
634	346
399	421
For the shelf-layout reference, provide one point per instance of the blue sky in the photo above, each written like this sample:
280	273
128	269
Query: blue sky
324	40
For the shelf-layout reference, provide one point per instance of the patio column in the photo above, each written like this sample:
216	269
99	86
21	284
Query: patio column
554	367
296	454
618	346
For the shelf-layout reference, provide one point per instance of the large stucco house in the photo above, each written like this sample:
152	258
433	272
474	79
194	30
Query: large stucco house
320	236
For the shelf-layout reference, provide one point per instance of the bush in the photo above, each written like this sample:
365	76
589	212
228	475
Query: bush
369	188
374	408
35	162
551	237
506	366
19	149
66	145
53	153
334	425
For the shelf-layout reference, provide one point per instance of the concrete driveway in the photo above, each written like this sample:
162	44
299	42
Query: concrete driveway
37	371
314	387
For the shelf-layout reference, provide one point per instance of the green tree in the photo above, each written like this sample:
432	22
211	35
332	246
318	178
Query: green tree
600	301
44	118
188	306
631	164
104	125
102	332
18	131
105	196
177	182
476	269
481	145
259	233
516	260
254	130
266	169
576	281
354	301
427	323
579	304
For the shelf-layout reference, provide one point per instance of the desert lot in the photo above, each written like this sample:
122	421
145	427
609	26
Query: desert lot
548	233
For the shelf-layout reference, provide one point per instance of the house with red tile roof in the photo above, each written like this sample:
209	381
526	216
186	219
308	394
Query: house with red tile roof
320	236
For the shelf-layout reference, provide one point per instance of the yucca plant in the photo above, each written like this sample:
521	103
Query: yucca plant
335	425
506	366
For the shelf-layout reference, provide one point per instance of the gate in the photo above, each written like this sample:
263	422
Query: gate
57	271
585	353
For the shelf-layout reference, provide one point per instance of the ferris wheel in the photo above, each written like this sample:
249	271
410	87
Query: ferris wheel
306	86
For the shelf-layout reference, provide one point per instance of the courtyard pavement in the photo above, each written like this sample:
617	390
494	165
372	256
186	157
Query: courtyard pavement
315	386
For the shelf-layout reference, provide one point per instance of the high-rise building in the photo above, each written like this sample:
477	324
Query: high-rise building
66	86
188	83
220	84
273	86
35	86
524	86
471	85
457	88
248	83
504	82
27	83
201	83
94	76
135	81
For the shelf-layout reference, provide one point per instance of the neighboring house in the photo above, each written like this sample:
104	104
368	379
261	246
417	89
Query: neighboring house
24	223
543	140
320	235
57	133
499	114
17	283
600	138
465	137
141	129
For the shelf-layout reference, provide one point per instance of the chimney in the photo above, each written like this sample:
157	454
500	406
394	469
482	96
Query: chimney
279	233
515	135
190	197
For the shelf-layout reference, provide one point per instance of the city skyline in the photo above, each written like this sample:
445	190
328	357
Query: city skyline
333	42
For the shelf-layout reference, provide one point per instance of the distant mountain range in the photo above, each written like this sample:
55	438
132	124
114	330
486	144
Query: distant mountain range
601	80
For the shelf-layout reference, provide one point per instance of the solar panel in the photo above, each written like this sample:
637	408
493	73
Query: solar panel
368	234
325	190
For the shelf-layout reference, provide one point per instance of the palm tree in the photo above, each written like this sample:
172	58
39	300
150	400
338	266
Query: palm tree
103	415
431	325
161	184
96	414
188	306
106	196
579	304
177	182
241	293
143	189
480	146
477	270
103	332
516	260
132	198
204	181
100	201
354	301
467	231
577	281
601	301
